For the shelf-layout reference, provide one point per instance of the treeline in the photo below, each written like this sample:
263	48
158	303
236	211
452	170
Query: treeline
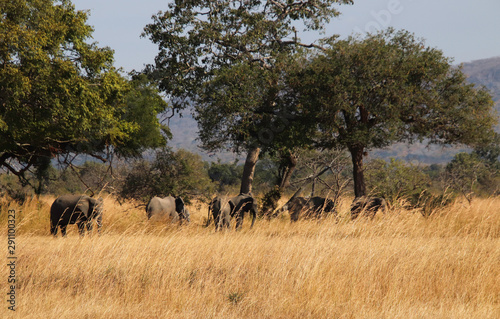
184	173
305	115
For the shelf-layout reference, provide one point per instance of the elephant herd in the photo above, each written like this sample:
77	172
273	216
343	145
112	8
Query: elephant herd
83	210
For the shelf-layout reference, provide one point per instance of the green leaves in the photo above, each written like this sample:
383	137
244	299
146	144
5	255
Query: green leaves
144	103
61	95
228	59
396	180
389	87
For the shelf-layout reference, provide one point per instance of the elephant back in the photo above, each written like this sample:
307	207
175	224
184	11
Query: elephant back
367	206
219	203
297	202
70	203
69	209
241	202
161	206
323	203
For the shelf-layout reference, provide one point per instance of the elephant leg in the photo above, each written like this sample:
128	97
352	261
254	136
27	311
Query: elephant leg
227	221
239	219
99	223
319	213
216	221
81	228
175	218
63	230
53	229
89	226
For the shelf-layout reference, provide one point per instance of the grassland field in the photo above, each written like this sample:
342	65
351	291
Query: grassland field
399	265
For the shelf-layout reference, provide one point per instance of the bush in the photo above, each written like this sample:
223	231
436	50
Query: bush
395	180
225	175
14	189
430	203
465	173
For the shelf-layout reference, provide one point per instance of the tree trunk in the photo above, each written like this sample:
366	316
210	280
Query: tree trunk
270	201
357	153
248	170
291	163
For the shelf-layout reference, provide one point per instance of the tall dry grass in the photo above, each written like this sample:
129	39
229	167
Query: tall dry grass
399	265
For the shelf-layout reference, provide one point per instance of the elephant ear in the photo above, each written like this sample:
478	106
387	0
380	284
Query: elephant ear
96	206
179	204
232	205
100	203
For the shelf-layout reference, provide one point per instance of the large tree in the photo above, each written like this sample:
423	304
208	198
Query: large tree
389	87
227	58
60	95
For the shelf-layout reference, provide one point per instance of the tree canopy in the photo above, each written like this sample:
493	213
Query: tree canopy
60	94
389	87
227	58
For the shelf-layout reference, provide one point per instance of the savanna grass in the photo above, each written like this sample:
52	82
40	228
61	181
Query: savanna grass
399	265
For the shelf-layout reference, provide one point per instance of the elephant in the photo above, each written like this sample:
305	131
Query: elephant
169	207
224	209
244	202
367	206
75	209
314	207
220	209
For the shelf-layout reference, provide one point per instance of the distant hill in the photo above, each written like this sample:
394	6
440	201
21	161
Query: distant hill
185	133
484	72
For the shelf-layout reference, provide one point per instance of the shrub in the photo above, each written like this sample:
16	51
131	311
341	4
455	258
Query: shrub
464	173
396	179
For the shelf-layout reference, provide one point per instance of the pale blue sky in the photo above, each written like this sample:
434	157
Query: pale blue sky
465	30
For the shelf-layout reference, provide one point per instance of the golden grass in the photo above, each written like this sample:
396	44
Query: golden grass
399	265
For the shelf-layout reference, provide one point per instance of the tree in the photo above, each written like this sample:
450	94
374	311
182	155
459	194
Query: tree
227	58
464	172
179	173
59	95
225	174
389	87
144	104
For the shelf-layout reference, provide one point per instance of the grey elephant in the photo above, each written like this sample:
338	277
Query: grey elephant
169	207
242	204
367	206
314	207
224	209
220	209
75	209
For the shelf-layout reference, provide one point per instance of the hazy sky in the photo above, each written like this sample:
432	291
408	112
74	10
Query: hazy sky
465	30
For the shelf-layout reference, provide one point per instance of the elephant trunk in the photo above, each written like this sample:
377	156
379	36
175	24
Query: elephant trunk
253	211
100	204
186	215
99	222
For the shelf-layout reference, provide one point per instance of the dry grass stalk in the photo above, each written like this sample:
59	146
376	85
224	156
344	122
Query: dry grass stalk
399	265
